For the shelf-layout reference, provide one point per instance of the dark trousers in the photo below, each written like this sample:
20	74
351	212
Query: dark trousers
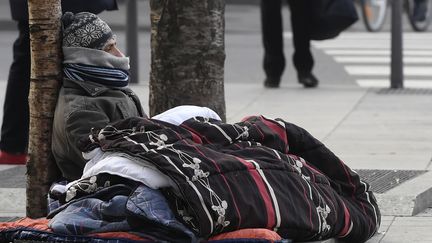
272	34
15	126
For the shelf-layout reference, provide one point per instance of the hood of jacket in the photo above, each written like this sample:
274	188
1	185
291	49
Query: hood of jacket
81	55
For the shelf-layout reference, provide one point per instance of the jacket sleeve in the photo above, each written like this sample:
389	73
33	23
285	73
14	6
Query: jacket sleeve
78	126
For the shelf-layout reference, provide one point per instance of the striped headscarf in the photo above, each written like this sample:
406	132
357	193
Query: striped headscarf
103	75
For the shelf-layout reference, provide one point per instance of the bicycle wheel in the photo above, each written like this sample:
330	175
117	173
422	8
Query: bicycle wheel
374	13
419	14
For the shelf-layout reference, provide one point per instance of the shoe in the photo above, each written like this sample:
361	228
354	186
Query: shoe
272	82
308	80
12	159
420	9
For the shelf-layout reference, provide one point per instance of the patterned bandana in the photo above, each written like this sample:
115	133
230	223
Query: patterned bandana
85	30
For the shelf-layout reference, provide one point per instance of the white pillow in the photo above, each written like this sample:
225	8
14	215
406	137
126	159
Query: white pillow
179	114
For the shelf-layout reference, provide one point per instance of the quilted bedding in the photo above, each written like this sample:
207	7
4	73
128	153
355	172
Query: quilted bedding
259	180
258	173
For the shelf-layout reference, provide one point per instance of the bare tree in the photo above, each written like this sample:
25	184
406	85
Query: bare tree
45	43
187	54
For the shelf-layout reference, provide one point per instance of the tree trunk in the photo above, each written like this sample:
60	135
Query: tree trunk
187	54
45	43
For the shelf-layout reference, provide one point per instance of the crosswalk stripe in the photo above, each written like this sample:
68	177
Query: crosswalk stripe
374	36
384	70
366	57
381	59
368	45
375	52
380	35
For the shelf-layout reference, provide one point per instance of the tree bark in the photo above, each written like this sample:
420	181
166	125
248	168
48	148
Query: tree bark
45	43
187	54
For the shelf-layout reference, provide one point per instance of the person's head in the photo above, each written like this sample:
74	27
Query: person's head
87	30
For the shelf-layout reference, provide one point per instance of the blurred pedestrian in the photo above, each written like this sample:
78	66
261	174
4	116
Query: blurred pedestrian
272	34
420	10
15	126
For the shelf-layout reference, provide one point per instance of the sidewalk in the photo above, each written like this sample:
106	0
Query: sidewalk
384	134
367	129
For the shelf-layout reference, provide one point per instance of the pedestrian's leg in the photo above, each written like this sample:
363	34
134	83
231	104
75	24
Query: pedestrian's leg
300	25
271	24
420	10
15	126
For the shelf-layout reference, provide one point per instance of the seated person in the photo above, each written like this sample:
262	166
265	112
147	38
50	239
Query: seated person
94	90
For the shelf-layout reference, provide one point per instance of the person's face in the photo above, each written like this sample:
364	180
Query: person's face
111	47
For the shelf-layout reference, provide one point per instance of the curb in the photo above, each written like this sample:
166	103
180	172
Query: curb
408	199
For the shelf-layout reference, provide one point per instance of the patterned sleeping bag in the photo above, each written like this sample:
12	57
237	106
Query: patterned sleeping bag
258	173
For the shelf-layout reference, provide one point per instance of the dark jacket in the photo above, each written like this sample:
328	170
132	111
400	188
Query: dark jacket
82	106
20	13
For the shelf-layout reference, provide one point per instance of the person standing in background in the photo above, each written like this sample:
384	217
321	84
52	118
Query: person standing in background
272	35
15	127
420	10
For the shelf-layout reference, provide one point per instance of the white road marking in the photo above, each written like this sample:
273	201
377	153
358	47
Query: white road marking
384	70
367	57
381	59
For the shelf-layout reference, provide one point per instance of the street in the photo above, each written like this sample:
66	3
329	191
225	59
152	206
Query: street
356	56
